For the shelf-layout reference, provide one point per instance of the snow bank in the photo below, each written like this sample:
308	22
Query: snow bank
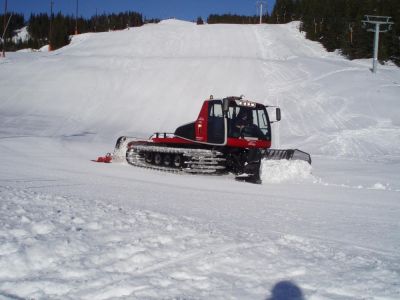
379	186
45	48
26	50
175	22
279	171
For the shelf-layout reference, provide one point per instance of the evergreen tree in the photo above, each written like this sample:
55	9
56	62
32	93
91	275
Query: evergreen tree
234	19
284	11
64	26
60	31
15	22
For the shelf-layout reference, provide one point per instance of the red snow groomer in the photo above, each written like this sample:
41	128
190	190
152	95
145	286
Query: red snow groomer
230	135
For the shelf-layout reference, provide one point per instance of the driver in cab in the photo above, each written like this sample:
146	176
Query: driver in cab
244	126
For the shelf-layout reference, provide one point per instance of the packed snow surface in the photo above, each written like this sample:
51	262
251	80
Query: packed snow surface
74	229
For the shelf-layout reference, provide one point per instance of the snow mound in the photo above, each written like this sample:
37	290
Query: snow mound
277	171
175	22
379	186
45	48
26	50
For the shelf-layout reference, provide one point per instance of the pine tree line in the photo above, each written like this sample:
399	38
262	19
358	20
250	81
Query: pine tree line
16	22
337	24
63	26
235	19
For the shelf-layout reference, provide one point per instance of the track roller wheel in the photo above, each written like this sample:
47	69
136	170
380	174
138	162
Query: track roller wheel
178	161
167	160
148	157
158	159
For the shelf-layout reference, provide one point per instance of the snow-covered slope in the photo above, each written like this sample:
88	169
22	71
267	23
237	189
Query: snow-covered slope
155	77
73	229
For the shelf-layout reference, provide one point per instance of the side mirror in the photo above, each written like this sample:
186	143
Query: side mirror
278	114
225	105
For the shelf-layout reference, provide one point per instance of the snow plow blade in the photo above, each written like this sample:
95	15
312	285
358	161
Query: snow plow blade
289	154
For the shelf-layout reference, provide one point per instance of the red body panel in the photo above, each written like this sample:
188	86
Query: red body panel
232	142
244	143
201	124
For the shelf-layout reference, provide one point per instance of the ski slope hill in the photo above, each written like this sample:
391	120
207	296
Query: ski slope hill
74	229
155	78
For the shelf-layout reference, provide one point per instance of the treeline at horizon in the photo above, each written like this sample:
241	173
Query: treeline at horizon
63	27
236	19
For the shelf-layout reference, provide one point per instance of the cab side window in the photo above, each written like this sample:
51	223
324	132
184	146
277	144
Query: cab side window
216	110
262	121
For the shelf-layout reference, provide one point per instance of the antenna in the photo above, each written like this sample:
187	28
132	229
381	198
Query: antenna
376	22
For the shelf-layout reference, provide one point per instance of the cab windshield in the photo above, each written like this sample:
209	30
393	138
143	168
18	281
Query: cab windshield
250	122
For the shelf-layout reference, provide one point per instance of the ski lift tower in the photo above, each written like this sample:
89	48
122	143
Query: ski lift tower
373	24
260	5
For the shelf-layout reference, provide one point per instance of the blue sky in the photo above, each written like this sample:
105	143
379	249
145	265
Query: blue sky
181	9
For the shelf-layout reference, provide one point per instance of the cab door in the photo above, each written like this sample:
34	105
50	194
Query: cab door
216	127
